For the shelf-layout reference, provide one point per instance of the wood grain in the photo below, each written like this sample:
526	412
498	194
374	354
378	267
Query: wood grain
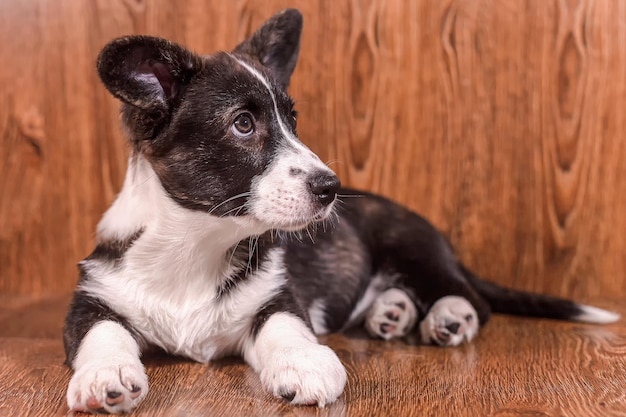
502	122
515	367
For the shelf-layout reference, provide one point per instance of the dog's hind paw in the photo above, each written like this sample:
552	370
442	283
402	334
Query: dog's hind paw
392	314
450	321
98	387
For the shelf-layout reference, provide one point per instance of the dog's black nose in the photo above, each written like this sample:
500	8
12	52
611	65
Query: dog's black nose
453	327
324	186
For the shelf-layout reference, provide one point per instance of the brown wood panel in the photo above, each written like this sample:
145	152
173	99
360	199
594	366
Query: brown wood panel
502	122
515	367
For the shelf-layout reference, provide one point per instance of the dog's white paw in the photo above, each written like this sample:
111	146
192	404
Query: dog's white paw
304	375
450	321
98	387
392	314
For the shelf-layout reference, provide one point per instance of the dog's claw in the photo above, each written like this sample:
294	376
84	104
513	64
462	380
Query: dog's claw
114	397
289	396
113	394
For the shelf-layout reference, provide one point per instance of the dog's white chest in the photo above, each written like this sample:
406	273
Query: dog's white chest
180	310
166	284
195	324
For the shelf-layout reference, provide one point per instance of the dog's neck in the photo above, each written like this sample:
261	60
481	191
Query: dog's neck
188	241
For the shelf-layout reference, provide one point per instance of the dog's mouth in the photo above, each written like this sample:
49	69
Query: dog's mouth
319	217
296	223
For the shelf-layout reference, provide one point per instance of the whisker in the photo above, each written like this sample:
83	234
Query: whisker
229	200
333	161
232	254
250	252
297	235
333	219
256	243
252	245
308	232
238	209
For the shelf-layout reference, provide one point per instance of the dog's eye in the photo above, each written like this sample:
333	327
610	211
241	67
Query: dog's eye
243	125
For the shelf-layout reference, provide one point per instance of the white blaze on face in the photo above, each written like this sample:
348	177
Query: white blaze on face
281	196
290	137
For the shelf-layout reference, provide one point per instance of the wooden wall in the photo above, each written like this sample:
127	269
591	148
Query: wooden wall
501	121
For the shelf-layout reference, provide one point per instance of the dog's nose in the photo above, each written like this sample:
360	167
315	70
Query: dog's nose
324	186
453	327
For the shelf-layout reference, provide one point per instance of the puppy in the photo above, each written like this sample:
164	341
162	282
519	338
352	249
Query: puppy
226	240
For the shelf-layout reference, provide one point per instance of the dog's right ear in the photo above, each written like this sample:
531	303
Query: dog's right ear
276	44
146	72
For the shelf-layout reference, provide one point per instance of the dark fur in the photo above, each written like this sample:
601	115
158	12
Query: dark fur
84	312
375	235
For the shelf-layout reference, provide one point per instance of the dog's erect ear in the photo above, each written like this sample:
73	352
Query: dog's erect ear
145	71
276	44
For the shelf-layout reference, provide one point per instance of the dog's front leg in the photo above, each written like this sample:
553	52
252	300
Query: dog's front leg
293	365
109	376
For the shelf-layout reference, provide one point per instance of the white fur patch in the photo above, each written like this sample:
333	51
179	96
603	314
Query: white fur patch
293	365
317	314
591	314
167	284
107	362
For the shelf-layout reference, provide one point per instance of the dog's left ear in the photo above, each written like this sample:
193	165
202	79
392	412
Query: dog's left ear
276	44
146	72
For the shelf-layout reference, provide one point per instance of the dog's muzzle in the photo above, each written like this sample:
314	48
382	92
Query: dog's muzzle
324	186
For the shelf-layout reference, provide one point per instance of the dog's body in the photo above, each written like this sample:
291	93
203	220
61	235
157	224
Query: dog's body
208	249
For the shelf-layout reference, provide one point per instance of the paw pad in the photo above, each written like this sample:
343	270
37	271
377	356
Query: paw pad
449	322
392	314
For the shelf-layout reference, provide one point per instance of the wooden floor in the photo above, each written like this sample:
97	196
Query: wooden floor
515	367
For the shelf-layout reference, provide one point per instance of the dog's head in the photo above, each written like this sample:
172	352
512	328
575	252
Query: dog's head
220	131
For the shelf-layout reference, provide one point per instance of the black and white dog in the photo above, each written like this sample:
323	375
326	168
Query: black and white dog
226	238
